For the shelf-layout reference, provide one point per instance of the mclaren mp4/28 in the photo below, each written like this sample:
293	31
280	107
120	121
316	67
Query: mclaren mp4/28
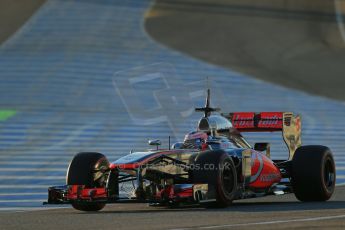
212	167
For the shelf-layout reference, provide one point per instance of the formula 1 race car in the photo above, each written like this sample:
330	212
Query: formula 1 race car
212	167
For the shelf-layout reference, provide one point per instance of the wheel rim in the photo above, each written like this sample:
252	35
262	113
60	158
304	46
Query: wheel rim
100	172
329	174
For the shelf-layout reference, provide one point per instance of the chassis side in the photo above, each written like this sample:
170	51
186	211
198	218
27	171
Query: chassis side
166	179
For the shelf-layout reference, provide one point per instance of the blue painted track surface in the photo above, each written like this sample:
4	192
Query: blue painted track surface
84	76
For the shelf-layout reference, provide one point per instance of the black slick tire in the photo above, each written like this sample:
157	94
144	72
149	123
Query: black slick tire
216	168
84	169
313	173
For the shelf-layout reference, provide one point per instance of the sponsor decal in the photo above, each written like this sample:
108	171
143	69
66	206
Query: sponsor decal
271	121
269	177
243	120
287	121
257	120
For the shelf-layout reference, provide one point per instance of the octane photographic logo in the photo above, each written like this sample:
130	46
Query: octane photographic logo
172	166
155	93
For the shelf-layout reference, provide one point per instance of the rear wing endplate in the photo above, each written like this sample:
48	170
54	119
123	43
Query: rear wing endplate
287	122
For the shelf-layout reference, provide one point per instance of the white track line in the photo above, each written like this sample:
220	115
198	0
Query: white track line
23	201
267	222
24	186
28	209
340	168
33	163
32	177
33	170
36	157
69	139
340	176
24	194
340	184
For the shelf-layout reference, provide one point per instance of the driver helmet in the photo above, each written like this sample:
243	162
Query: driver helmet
195	139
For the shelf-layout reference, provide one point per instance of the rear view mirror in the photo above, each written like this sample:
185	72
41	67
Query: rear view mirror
155	143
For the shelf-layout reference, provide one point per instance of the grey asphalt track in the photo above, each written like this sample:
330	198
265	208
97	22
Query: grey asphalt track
282	212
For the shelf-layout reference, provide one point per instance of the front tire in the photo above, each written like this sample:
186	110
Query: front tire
222	176
313	173
88	169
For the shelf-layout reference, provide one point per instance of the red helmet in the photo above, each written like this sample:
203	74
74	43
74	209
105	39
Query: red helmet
196	135
195	140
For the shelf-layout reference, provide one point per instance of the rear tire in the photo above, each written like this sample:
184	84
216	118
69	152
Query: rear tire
313	173
81	171
223	176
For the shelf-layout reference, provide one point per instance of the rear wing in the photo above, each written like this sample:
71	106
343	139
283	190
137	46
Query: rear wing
287	122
